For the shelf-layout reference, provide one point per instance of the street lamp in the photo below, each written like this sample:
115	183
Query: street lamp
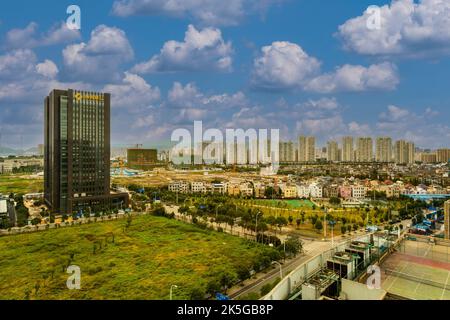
217	210
171	290
332	224
281	268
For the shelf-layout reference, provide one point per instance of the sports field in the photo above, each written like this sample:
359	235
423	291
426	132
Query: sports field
418	272
292	204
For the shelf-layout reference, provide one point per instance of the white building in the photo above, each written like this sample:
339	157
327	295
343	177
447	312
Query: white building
218	187
316	191
359	192
198	187
303	192
179	186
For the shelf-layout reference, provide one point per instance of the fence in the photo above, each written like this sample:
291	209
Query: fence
45	227
426	247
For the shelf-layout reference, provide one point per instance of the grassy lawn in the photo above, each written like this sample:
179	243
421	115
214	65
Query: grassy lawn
20	184
142	262
292	204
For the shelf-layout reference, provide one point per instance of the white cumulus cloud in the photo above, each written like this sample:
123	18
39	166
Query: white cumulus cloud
283	65
101	57
48	69
407	28
286	66
28	37
381	76
133	93
201	50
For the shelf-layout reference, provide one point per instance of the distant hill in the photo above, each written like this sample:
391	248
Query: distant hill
5	151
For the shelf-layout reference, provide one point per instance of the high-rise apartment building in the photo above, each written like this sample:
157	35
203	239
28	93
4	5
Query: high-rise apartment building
384	149
364	149
347	149
287	152
77	153
404	152
443	155
333	153
427	157
306	149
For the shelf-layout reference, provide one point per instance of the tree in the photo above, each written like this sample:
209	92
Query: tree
293	246
343	229
318	225
281	222
335	201
197	293
36	221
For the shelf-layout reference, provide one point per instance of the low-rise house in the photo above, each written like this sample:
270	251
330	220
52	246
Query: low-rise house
316	191
359	192
218	187
198	187
303	192
289	191
345	192
331	191
260	191
179	186
234	190
246	190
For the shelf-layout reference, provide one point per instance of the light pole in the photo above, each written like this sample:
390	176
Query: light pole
171	290
332	223
217	210
325	223
281	268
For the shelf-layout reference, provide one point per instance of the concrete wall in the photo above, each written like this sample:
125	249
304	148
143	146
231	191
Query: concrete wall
289	284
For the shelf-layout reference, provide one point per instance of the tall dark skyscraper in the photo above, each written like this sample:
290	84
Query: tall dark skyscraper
77	152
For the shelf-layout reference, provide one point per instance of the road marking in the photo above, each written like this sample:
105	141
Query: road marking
446	282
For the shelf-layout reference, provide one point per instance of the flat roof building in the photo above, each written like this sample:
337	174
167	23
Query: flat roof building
142	159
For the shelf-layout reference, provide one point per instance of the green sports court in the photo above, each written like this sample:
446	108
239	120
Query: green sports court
418	271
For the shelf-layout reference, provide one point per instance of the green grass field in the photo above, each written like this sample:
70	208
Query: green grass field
292	204
142	262
20	184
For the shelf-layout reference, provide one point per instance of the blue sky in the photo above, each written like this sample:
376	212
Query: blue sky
305	67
